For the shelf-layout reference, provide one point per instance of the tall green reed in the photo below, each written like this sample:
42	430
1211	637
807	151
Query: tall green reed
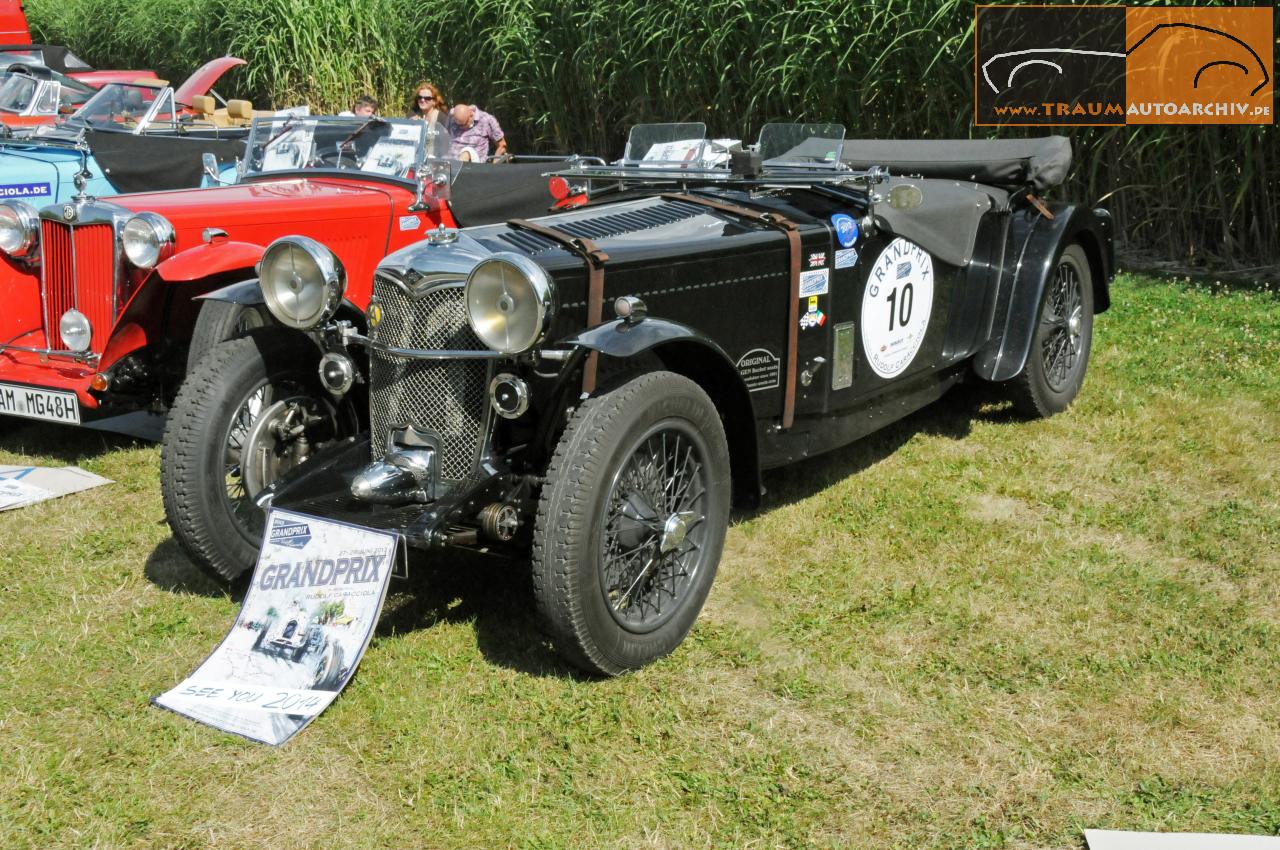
572	76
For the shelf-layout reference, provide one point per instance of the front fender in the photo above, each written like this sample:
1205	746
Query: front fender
209	259
248	292
696	356
1036	244
620	339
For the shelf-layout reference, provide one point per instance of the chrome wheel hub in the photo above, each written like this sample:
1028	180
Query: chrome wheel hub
675	530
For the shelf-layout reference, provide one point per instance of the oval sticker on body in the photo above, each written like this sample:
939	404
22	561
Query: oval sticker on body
895	307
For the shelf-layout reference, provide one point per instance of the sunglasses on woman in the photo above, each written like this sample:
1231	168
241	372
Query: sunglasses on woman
426	97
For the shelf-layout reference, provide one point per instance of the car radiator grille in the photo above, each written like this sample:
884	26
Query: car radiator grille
79	270
445	397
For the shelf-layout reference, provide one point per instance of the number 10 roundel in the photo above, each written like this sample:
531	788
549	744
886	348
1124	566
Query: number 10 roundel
895	307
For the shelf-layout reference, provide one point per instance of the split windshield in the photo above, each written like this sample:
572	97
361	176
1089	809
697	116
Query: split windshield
390	147
780	146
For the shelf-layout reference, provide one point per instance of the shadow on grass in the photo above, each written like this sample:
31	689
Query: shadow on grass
495	594
492	593
169	568
66	444
951	416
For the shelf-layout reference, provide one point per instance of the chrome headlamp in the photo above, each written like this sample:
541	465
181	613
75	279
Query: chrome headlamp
148	239
19	229
302	281
509	301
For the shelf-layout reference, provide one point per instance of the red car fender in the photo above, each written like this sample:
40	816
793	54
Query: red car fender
125	339
209	259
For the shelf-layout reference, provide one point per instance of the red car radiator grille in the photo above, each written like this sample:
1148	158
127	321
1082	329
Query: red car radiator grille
79	267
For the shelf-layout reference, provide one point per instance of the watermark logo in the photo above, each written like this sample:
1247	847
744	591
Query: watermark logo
1116	65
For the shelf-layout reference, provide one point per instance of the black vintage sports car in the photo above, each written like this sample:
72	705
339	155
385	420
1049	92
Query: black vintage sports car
769	304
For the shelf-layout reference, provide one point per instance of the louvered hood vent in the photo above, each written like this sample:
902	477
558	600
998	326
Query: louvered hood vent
617	224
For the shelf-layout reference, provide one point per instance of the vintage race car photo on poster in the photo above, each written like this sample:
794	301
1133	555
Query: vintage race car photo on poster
593	390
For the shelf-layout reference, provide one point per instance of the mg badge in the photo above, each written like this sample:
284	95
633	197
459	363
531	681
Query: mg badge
374	313
69	212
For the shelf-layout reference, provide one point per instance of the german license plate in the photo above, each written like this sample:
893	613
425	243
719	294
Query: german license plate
35	403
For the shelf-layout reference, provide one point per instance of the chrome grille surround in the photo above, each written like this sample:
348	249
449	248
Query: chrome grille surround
82	266
444	397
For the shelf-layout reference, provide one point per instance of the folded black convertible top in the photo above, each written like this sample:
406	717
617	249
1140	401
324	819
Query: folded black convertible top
1008	163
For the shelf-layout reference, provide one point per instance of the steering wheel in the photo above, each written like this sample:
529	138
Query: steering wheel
337	159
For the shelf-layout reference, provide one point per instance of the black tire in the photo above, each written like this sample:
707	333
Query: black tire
222	320
1059	352
208	498
605	612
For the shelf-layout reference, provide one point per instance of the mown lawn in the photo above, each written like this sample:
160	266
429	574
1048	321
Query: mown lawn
966	631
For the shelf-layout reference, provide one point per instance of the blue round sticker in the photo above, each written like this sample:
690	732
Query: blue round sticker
846	229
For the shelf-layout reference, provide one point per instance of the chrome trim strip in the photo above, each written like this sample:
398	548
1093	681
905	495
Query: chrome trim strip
423	353
89	358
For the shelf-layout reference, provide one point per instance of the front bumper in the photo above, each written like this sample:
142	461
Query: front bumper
322	487
26	361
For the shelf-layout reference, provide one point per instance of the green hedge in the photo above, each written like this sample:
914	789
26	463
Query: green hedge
572	76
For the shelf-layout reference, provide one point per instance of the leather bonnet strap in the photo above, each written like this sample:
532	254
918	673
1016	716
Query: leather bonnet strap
792	230
595	260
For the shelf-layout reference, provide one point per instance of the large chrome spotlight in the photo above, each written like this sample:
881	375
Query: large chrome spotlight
509	302
302	281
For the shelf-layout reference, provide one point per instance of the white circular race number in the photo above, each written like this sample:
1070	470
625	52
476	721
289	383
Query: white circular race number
896	305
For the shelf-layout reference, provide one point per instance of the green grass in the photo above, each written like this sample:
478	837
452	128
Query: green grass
964	631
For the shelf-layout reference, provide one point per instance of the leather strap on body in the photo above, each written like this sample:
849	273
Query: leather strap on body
595	260
792	230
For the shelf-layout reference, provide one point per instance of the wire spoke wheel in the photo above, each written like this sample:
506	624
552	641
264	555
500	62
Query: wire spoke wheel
1063	319
653	530
631	522
239	448
251	410
1060	339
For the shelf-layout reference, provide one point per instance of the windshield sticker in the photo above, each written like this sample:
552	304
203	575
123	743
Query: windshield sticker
759	369
818	258
846	229
846	258
393	156
25	190
409	222
814	282
896	306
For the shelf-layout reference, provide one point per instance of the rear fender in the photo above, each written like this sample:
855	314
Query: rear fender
692	354
1036	243
210	259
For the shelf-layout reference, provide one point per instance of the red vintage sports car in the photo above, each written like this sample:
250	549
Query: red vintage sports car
106	300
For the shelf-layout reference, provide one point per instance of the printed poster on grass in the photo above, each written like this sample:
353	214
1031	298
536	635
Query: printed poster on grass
306	621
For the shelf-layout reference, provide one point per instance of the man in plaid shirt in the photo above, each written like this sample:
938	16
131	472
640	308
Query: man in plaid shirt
472	130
